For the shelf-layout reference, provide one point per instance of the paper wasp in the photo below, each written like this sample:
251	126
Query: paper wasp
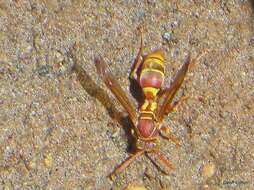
148	71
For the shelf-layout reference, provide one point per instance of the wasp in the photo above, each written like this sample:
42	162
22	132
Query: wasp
149	72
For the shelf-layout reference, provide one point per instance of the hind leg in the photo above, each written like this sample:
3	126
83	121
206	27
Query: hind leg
157	156
125	164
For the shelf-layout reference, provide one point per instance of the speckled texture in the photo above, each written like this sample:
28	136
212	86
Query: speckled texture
58	122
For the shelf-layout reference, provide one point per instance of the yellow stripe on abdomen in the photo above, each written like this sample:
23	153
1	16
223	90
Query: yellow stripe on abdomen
151	90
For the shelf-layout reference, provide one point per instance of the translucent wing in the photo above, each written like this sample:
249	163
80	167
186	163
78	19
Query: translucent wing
115	88
167	95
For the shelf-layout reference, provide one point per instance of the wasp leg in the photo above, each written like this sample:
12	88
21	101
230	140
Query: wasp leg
139	58
164	160
166	133
195	60
125	164
177	104
167	95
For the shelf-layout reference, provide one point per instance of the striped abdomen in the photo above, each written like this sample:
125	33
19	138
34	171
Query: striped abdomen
152	74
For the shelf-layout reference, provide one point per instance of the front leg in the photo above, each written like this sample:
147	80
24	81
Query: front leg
139	58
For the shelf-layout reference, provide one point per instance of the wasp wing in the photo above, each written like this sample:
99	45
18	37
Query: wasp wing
115	88
166	96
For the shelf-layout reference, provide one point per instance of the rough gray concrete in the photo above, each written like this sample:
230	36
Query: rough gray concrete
59	127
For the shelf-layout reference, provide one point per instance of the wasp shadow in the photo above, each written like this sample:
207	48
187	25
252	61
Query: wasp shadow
252	4
102	96
135	89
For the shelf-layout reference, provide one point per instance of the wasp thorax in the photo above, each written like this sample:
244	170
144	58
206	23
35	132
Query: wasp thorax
146	127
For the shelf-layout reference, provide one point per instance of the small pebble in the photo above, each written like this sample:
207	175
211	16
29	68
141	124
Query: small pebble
26	51
37	41
135	187
252	41
169	37
3	58
174	24
8	186
32	163
3	11
44	70
208	170
48	160
59	57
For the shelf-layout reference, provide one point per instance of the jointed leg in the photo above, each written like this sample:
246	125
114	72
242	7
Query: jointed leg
164	160
196	59
139	57
126	163
191	63
166	133
178	103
